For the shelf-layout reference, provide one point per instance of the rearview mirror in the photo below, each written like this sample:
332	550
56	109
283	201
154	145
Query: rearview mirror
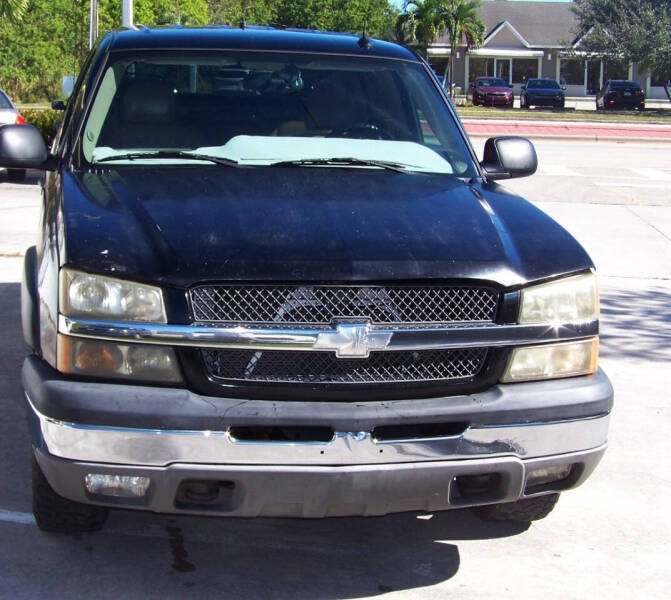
22	147
508	157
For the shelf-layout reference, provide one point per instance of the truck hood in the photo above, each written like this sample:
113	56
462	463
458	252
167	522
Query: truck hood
182	225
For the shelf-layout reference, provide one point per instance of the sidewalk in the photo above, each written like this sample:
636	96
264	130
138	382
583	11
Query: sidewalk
594	131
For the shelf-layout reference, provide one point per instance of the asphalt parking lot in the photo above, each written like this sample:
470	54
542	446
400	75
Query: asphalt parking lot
610	538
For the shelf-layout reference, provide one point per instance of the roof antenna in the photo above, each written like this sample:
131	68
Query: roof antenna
243	23
364	42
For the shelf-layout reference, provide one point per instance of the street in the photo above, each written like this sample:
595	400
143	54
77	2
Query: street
610	538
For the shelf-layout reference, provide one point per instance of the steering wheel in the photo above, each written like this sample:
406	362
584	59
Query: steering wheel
362	131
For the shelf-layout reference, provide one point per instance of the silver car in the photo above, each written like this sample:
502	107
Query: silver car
9	115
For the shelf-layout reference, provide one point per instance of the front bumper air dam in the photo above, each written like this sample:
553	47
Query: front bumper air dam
350	475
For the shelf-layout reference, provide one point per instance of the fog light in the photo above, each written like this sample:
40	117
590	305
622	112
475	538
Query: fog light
544	475
99	358
529	363
119	486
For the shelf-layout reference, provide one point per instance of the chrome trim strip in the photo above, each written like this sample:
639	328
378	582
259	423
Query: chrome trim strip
118	445
253	338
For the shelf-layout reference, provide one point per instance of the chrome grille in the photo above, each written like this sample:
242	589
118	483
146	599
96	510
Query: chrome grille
324	368
319	305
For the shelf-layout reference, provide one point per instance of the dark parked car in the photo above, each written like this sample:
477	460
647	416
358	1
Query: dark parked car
297	296
542	92
620	93
490	91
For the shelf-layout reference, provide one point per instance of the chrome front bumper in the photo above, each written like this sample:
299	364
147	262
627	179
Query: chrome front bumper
352	474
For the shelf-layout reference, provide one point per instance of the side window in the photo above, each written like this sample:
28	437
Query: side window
75	104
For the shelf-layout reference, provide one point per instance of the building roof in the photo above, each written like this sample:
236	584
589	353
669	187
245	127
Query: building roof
541	24
254	38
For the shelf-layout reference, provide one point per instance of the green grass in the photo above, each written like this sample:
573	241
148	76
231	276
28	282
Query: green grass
619	116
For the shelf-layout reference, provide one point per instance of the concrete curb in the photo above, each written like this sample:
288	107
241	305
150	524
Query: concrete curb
588	138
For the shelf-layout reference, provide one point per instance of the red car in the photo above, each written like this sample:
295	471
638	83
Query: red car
490	91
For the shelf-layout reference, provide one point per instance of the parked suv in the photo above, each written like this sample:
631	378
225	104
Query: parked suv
620	93
297	296
542	92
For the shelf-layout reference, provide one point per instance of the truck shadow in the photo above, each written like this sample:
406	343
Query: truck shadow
278	558
33	177
636	323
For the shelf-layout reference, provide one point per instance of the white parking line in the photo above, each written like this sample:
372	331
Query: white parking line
654	174
628	184
558	171
10	516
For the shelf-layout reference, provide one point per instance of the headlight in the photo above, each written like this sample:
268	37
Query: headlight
99	358
96	296
565	300
552	360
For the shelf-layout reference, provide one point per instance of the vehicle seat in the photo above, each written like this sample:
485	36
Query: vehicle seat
148	118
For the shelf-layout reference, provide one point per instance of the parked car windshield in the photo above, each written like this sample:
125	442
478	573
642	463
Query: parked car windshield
543	83
265	108
624	84
4	101
493	82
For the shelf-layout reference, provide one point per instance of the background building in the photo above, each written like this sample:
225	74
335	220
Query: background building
536	39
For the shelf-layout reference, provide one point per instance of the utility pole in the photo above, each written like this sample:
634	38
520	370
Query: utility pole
93	23
127	13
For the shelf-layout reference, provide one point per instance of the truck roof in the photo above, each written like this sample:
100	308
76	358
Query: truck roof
255	38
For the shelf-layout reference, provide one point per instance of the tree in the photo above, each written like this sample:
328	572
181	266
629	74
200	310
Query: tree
461	22
418	25
636	30
422	21
12	10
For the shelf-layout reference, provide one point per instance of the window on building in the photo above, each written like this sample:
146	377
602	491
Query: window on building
658	80
572	71
503	69
480	67
524	68
615	69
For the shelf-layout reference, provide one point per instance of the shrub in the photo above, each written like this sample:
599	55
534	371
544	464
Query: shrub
45	120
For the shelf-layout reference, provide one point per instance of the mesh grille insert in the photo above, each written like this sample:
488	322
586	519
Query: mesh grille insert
324	367
318	305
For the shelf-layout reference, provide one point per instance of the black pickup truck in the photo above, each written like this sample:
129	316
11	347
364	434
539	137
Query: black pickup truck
273	279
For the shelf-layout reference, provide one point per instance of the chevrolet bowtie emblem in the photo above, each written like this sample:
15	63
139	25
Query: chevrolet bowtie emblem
352	340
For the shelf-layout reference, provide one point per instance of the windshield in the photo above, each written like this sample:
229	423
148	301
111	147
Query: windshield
624	84
493	82
543	83
263	108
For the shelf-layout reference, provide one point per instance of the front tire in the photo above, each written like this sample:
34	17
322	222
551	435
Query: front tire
525	510
59	515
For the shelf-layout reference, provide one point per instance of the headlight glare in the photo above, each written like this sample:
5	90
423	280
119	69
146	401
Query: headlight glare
551	361
565	300
97	296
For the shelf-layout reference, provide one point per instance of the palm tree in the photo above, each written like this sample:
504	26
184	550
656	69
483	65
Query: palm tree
418	25
12	10
460	20
422	21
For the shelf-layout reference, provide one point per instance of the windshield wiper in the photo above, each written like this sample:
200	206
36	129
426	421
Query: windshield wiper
343	162
227	162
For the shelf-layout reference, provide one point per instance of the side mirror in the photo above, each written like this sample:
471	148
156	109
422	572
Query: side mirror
508	157
58	105
22	147
563	87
